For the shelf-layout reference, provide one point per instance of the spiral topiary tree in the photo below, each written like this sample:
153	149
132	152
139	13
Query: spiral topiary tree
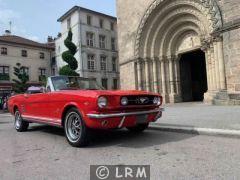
20	84
68	57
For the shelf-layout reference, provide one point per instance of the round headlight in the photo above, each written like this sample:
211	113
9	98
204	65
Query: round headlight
124	101
157	101
102	102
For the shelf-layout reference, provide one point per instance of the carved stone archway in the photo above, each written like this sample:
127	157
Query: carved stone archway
168	28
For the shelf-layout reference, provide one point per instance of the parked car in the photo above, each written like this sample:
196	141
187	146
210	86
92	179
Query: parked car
79	104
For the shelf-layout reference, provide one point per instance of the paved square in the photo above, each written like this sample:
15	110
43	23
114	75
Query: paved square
43	153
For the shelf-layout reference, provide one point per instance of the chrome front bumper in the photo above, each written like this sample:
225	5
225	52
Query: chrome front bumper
102	116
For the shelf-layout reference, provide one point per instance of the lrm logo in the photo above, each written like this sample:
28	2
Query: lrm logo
104	172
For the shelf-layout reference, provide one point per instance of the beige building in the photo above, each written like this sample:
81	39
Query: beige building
37	59
95	35
187	50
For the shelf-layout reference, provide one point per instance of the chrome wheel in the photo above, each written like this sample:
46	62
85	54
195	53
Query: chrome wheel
18	120
73	127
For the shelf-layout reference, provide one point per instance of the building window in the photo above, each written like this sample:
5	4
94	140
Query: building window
112	26
42	74
41	55
89	20
114	64
59	49
90	39
24	53
101	22
105	83
4	73
91	62
24	70
68	23
53	71
113	44
4	51
42	71
115	84
103	62
102	41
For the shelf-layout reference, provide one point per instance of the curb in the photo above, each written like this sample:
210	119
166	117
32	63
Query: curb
196	130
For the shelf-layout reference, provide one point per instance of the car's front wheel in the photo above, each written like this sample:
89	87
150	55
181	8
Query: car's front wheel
138	128
19	123
75	129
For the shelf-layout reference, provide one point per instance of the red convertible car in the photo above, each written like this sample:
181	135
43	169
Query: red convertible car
79	104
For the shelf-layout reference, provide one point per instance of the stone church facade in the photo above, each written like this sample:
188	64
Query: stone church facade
187	50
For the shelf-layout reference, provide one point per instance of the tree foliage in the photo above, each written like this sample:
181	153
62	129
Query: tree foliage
68	57
20	84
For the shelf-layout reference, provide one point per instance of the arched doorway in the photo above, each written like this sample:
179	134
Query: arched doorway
193	76
169	28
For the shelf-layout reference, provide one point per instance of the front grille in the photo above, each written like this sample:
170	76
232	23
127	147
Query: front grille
140	100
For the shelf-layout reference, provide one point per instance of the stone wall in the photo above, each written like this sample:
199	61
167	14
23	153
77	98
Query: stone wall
231	19
129	16
232	59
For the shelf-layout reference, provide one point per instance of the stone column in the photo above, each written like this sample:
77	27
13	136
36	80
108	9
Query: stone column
163	75
139	75
209	69
171	76
147	74
217	72
155	75
159	76
213	69
222	73
177	76
205	48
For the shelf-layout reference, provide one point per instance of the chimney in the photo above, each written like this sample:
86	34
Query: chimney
49	39
7	33
59	35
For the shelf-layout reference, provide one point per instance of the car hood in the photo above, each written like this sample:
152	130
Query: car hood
96	93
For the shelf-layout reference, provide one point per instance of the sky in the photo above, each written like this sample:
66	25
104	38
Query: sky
37	19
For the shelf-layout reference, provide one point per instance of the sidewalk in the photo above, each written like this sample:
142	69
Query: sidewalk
200	118
3	112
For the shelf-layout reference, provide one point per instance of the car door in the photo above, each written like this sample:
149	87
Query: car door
37	106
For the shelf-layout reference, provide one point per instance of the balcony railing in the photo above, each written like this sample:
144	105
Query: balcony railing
4	77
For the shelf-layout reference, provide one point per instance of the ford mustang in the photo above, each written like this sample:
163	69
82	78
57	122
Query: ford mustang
79	104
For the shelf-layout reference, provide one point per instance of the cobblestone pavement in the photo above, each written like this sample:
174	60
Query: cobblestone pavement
43	153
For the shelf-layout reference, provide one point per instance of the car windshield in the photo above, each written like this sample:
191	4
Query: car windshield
74	83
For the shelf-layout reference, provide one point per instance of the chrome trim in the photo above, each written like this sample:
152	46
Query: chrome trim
101	116
41	120
121	122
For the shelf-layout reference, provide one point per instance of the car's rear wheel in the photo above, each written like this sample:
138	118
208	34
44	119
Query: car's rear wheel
75	129
19	123
138	128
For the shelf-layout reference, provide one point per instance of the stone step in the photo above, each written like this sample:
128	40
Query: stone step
229	102
220	102
234	96
222	95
